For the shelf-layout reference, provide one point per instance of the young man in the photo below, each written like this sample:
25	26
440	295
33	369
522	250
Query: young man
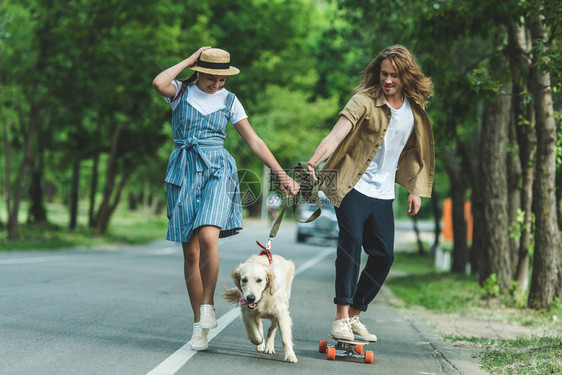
383	136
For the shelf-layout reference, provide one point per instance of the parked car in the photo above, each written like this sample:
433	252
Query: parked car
324	227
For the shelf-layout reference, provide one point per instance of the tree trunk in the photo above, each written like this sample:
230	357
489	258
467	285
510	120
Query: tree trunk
7	165
477	204
103	214
132	201
437	220
74	189
456	169
559	204
93	191
514	174
37	213
519	46
546	281
421	250
108	205
492	170
33	128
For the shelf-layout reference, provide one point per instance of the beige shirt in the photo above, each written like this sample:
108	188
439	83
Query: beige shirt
369	118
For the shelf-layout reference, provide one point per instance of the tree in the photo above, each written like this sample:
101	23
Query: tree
523	123
34	89
546	282
492	169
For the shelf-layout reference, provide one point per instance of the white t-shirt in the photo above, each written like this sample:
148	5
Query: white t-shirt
209	103
378	179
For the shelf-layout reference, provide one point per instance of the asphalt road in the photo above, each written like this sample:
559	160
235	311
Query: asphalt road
126	311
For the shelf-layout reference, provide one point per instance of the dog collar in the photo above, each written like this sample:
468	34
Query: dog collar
265	252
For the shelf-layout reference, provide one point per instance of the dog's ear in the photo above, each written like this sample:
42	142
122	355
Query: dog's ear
270	282
236	278
231	295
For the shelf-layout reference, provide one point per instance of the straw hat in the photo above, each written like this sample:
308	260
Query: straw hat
215	61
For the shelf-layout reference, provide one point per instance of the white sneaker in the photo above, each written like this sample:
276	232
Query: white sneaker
208	319
199	337
360	331
341	329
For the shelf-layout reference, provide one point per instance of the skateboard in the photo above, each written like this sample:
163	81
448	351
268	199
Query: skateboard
346	349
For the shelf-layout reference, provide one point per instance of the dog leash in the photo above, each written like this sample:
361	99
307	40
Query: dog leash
308	187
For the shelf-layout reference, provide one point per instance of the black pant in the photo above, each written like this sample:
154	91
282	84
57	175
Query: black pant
367	222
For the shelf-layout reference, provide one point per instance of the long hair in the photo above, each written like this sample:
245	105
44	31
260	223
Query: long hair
184	83
415	85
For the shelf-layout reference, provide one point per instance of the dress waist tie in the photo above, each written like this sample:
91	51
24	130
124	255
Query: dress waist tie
178	159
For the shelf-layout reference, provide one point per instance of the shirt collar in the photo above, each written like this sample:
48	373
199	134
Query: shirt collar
380	100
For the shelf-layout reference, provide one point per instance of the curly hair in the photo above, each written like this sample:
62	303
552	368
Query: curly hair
415	85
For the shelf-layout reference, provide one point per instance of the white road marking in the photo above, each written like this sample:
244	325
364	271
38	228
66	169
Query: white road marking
310	263
174	362
177	360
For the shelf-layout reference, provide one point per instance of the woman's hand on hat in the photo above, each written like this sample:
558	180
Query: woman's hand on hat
195	56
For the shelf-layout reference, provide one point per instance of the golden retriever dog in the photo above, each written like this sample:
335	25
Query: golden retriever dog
263	292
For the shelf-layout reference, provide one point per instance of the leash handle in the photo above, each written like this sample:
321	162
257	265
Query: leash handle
314	186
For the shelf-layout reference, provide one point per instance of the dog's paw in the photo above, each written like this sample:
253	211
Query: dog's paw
269	350
260	348
291	358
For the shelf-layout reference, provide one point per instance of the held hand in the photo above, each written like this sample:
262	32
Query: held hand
414	204
312	171
193	58
289	186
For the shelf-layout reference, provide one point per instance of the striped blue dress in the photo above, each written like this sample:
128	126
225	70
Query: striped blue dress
201	180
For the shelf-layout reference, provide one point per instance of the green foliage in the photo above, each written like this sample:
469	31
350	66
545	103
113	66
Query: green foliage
490	287
93	64
482	81
518	226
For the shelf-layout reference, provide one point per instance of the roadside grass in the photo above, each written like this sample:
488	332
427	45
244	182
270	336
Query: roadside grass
461	295
126	227
537	355
522	356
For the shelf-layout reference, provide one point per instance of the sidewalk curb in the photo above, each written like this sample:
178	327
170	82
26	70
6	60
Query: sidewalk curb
453	361
458	362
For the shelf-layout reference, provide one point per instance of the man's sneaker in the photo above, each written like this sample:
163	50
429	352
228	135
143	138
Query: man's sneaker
199	337
360	331
341	329
208	319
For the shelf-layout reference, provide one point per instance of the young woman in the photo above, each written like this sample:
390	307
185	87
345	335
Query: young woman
383	136
201	179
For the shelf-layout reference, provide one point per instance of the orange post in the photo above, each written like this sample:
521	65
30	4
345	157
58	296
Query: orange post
448	219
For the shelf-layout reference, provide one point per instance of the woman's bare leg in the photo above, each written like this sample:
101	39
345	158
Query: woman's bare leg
209	261
192	274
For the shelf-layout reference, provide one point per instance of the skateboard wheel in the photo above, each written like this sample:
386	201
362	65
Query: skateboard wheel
368	356
322	347
359	349
331	354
